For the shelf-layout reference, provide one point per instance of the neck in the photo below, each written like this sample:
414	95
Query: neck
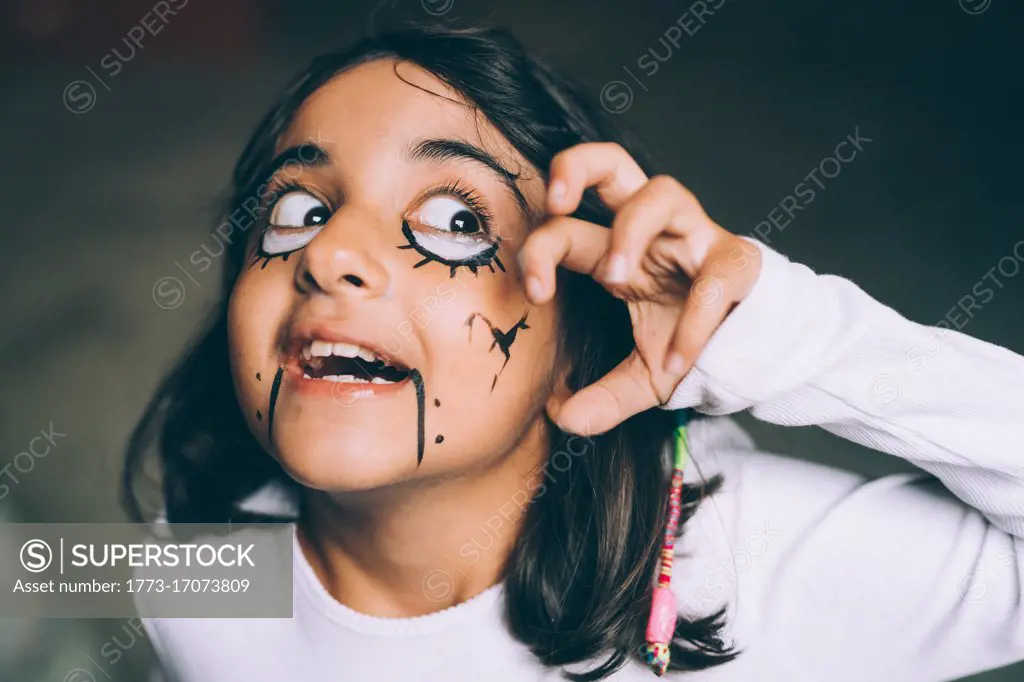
422	546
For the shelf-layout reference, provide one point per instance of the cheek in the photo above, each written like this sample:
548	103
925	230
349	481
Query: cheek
491	368
255	314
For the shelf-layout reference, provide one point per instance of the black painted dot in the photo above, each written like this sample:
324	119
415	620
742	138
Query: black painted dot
439	439
258	378
437	403
259	416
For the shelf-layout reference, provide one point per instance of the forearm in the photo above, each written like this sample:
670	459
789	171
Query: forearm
815	349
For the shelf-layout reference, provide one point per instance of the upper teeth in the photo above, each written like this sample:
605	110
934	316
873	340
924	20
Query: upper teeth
346	350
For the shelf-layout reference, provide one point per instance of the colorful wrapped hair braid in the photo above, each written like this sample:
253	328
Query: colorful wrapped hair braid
662	622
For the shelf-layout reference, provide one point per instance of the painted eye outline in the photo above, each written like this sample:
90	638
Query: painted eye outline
487	258
271	202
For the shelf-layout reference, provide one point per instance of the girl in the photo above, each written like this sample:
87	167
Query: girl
455	308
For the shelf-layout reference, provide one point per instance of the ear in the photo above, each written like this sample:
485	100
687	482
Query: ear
560	392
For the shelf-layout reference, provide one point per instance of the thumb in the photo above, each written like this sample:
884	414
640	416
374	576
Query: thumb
609	401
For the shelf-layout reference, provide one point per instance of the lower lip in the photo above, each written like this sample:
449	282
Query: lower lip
343	392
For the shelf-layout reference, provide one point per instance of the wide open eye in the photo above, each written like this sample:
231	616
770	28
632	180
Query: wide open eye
454	235
296	218
445	213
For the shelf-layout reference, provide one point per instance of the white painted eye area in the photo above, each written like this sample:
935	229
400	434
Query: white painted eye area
457	233
296	218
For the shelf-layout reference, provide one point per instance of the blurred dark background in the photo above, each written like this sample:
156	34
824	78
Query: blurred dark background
114	162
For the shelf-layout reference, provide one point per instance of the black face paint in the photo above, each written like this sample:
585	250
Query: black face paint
502	340
417	380
485	259
439	439
274	388
314	219
259	415
267	258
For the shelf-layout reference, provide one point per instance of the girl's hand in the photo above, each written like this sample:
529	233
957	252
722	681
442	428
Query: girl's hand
678	271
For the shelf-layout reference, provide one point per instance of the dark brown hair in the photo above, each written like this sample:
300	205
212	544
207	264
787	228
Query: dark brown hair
579	580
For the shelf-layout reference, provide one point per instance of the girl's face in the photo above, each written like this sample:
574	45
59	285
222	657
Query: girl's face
379	330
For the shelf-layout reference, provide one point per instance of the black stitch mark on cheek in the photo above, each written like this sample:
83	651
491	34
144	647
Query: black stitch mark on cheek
417	380
274	389
502	340
437	403
439	439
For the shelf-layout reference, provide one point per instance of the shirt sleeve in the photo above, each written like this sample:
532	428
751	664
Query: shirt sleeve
907	577
160	667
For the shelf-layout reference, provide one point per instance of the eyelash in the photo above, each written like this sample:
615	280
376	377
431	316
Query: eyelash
279	190
469	196
488	258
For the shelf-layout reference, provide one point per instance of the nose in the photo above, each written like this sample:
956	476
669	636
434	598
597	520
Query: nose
339	261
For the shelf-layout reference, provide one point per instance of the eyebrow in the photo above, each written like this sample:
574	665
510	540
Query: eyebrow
447	149
306	154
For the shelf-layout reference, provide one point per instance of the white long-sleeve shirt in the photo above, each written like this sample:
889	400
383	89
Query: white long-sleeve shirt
826	575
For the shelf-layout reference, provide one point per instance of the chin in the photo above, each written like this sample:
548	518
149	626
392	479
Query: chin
344	459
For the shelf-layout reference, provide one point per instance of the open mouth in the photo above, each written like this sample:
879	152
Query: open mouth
347	363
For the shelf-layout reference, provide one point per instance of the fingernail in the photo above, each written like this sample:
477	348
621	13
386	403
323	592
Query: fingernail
615	272
675	364
534	288
557	190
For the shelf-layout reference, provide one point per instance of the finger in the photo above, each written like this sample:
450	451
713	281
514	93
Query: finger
558	397
645	215
606	166
705	308
612	399
572	243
